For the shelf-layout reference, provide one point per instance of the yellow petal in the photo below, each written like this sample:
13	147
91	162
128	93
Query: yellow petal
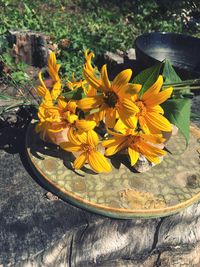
120	127
72	105
53	68
112	133
41	80
82	137
114	147
62	103
45	94
72	137
143	125
91	79
128	106
157	109
150	150
90	102
110	141
88	57
91	91
129	89
41	91
154	89
52	60
152	159
129	121
71	118
147	127
98	162
55	92
159	98
158	121
155	138
57	127
92	138
121	79
85	125
70	147
80	161
99	116
104	77
110	118
134	155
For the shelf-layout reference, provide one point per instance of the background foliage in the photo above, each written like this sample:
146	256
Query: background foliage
98	24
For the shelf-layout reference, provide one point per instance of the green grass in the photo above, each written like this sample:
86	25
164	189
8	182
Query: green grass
99	25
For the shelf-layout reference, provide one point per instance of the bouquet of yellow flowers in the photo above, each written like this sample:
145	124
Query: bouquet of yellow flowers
95	118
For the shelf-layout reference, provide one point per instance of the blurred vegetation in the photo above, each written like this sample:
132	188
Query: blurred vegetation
99	25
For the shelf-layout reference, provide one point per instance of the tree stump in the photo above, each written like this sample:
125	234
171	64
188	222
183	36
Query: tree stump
29	47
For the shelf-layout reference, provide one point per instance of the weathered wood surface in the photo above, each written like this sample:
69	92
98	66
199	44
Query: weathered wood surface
29	47
36	231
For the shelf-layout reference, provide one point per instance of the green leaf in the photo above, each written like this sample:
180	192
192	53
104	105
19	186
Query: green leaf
169	73
148	77
170	76
79	94
75	94
177	111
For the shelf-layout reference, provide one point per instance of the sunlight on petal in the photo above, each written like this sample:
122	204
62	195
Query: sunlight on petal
154	89
104	76
129	106
85	125
92	138
98	162
157	109
152	159
121	79
91	79
70	147
110	118
120	127
134	155
129	89
158	121
114	147
90	102
159	98
80	161
129	121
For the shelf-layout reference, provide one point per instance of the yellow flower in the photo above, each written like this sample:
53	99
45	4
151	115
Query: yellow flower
53	70
150	113
54	118
86	144
53	67
135	142
74	84
114	99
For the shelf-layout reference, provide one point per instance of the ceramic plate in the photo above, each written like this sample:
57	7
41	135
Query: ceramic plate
165	189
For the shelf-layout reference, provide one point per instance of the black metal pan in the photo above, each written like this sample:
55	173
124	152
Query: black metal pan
182	50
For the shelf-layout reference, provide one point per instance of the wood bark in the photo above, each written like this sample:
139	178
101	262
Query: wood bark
29	47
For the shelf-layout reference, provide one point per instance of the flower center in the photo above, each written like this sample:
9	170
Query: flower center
141	107
133	139
111	99
86	148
